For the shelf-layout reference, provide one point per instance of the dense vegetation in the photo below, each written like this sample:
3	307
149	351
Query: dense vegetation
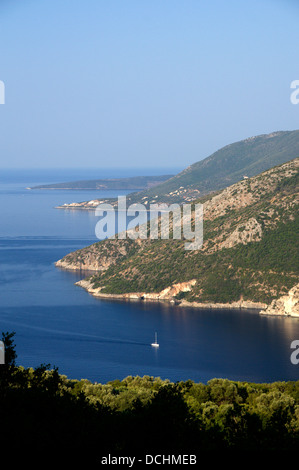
258	270
41	409
252	270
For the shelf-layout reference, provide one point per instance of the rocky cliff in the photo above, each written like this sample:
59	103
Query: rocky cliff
99	256
287	305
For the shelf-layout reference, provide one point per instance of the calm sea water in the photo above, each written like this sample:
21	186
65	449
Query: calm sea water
59	323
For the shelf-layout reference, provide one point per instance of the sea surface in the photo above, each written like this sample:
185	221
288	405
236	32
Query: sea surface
60	324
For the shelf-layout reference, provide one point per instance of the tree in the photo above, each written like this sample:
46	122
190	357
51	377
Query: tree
8	368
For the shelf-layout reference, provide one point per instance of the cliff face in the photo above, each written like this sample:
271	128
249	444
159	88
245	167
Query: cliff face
287	305
169	293
99	256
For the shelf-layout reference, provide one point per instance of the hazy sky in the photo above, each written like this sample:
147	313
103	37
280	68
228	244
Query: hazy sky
115	83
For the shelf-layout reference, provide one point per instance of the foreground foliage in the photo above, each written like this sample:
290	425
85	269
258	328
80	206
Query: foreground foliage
140	415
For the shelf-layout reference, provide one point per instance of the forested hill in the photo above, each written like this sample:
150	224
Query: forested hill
249	253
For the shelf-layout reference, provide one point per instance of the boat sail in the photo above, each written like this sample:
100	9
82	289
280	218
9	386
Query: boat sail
155	344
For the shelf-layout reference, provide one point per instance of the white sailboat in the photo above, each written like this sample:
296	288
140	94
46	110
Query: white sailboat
155	344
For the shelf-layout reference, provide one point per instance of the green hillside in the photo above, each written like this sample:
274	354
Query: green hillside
250	248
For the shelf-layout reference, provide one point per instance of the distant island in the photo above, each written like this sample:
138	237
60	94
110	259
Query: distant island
133	183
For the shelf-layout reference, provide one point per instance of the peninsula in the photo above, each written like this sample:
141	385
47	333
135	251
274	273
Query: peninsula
133	183
249	257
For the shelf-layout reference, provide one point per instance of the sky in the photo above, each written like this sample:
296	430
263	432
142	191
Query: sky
151	83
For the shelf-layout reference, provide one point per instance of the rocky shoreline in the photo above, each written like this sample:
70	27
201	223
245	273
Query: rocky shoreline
287	305
85	205
168	296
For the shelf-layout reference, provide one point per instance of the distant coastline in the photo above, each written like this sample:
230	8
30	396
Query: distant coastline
134	183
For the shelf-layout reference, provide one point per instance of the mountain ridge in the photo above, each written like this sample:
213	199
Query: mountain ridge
226	166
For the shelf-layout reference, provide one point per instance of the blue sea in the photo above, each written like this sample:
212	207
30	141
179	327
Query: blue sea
58	323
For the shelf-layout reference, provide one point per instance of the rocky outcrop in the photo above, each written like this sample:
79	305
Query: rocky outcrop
287	305
99	256
242	304
85	261
171	291
166	294
250	231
